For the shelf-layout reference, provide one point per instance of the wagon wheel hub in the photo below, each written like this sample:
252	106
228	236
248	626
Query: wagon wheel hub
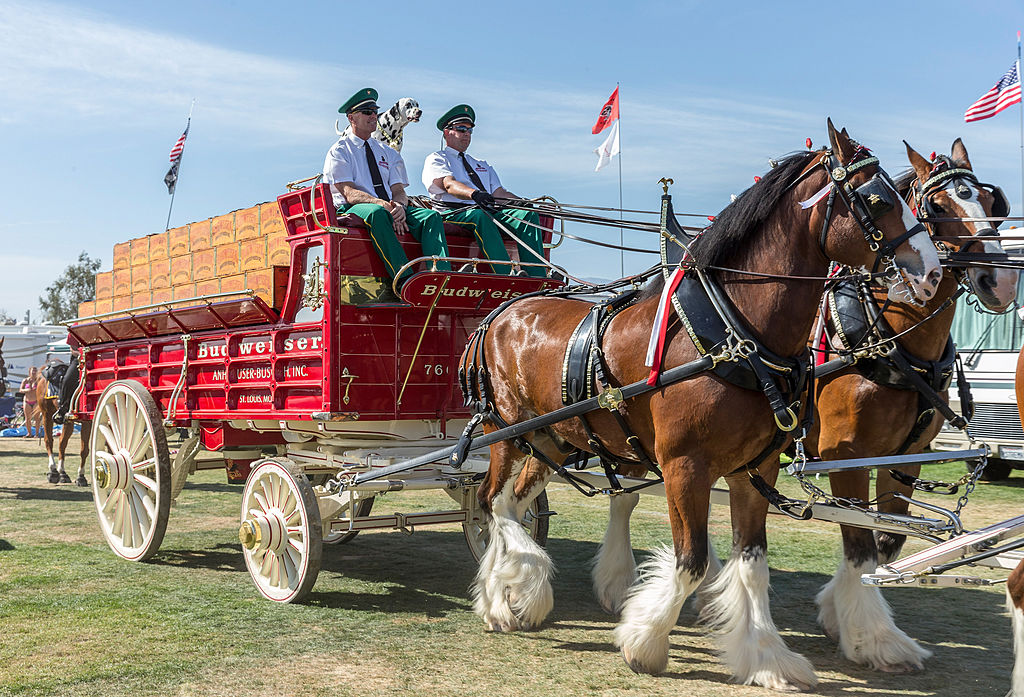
264	531
113	470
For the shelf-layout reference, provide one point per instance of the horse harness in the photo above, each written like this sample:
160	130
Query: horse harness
713	326
857	321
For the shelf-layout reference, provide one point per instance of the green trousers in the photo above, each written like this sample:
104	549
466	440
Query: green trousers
425	225
488	235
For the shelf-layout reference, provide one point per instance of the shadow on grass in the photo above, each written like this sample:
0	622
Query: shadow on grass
237	488
223	557
5	546
50	492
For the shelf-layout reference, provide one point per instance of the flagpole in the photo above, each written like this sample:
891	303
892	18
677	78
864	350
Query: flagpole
622	252
188	122
1021	110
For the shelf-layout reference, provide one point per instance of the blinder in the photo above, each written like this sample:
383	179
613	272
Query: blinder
876	196
1001	205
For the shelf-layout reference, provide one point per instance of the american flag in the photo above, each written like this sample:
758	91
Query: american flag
180	145
1005	93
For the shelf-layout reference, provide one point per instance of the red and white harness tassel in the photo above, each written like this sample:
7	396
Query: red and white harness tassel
656	345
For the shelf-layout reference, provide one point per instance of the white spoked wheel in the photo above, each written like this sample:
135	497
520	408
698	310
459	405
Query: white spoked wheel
535	522
280	531
131	467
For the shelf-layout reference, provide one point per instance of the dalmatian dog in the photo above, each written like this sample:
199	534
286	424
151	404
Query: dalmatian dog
390	123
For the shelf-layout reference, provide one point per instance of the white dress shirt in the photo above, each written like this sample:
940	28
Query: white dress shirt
447	162
346	162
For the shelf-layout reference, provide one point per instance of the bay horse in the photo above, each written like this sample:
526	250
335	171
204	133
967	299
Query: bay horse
871	409
697	430
1015	584
47	404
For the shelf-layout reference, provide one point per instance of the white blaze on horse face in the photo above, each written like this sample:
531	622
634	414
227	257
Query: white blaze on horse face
920	269
995	287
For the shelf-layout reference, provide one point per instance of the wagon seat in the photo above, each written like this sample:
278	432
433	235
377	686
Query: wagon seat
363	276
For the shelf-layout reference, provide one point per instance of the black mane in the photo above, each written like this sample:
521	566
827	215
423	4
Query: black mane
749	211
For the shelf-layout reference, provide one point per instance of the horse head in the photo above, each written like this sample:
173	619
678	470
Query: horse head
947	188
897	244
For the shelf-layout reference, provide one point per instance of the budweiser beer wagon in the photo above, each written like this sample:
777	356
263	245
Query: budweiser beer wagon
274	339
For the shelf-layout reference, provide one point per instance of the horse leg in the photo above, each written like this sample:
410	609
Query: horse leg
512	589
83	452
1015	604
652	605
888	544
53	474
703	595
750	642
66	431
614	566
857	615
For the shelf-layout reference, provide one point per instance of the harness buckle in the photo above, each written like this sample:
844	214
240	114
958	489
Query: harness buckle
794	421
610	399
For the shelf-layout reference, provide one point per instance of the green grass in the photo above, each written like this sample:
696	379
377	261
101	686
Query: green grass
390	612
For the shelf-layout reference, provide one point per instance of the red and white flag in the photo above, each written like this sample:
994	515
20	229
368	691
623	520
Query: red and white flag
171	178
609	113
609	117
179	146
1005	93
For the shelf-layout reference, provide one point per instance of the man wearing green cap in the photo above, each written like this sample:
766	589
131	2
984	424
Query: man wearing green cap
367	179
454	179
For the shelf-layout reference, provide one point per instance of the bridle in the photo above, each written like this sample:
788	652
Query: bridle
922	193
867	203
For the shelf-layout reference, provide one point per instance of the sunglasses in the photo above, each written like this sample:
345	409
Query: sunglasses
461	129
368	112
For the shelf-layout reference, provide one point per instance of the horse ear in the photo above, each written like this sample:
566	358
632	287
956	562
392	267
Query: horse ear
959	153
917	161
840	142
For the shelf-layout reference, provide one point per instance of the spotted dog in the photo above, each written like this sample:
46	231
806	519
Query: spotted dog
391	122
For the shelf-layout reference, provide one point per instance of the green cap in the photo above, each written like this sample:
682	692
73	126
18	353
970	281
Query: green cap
365	98
463	113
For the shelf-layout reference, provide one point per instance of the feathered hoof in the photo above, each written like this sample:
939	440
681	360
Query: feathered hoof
64	478
53	476
649	662
780	684
82	481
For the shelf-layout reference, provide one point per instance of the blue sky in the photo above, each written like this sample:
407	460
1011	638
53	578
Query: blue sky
93	95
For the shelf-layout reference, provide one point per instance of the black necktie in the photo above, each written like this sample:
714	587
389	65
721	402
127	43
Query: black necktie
473	176
378	183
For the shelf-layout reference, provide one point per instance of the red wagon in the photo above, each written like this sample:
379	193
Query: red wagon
335	375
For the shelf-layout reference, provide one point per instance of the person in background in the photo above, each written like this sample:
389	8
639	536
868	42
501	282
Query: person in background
455	180
28	392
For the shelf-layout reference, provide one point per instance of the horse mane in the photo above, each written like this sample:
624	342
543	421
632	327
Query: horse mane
736	223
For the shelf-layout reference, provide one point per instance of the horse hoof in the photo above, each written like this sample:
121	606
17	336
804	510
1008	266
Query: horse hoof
52	476
82	481
64	478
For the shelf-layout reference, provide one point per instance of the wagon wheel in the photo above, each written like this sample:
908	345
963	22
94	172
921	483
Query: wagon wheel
131	467
280	531
363	507
535	522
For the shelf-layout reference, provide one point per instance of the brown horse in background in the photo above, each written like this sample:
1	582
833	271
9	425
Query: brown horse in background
697	430
47	404
859	417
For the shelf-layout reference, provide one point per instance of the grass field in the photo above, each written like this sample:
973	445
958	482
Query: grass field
389	614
